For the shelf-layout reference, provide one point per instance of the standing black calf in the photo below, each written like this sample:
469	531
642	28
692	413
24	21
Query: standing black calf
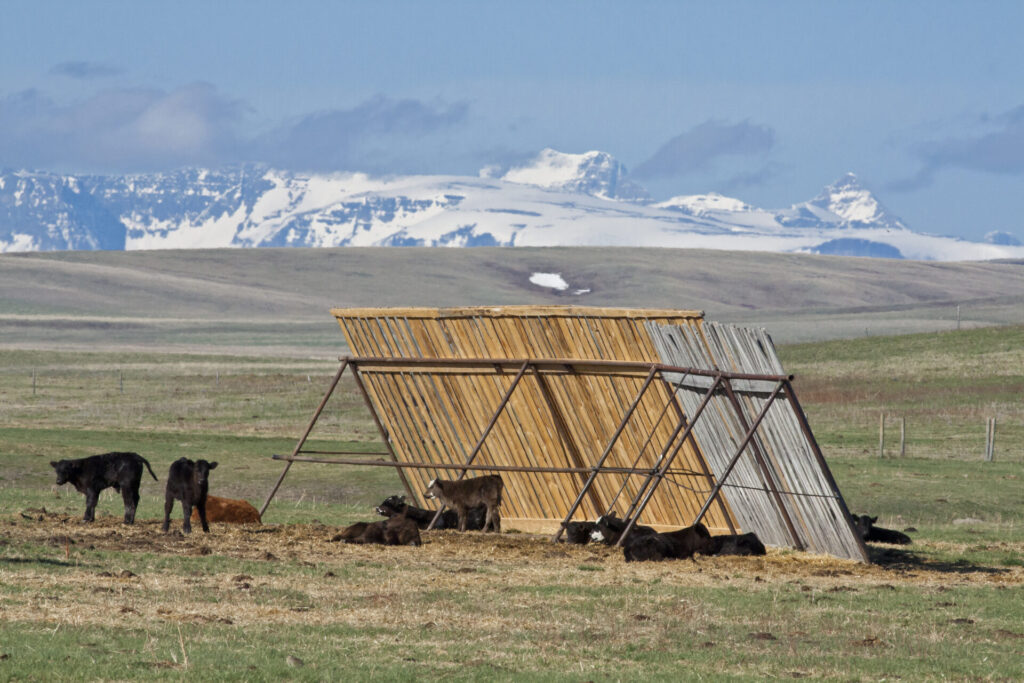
188	482
91	475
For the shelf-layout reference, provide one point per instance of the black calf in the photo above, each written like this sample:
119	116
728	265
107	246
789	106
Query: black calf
396	505
734	544
608	529
865	527
579	533
123	471
188	482
674	545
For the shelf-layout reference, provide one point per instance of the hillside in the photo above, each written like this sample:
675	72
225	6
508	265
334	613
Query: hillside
270	299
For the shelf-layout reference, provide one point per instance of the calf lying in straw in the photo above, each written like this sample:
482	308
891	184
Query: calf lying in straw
866	529
396	505
397	530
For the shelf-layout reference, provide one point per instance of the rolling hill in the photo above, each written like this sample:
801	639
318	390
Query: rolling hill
277	300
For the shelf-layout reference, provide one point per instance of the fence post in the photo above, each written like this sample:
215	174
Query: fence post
903	437
33	381
990	439
881	435
120	379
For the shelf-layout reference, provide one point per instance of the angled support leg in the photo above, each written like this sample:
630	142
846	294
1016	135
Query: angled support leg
707	475
563	432
380	427
605	454
762	464
643	449
809	435
305	435
649	489
487	430
739	452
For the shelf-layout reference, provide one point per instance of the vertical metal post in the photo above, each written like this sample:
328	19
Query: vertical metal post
649	492
605	454
487	430
990	439
903	437
305	435
881	435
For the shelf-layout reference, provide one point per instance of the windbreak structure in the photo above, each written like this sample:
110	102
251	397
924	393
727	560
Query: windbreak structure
583	411
556	414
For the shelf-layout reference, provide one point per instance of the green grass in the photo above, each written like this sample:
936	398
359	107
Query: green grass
945	386
482	608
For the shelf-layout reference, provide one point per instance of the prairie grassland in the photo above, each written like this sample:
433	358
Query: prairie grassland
280	600
945	386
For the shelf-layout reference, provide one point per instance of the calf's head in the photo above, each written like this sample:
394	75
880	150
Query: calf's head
433	490
202	471
393	505
65	470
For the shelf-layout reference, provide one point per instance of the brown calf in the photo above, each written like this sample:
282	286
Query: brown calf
464	494
228	511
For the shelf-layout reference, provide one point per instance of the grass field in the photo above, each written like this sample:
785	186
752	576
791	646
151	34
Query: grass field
105	601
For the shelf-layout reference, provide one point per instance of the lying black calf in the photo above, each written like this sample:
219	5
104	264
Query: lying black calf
579	533
608	529
672	545
734	544
122	471
396	505
865	527
397	530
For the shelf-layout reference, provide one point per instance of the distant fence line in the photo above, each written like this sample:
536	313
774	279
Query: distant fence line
990	437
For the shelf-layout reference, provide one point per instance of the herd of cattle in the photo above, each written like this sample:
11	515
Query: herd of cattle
472	504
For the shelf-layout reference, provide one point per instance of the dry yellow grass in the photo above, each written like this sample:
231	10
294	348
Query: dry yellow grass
360	585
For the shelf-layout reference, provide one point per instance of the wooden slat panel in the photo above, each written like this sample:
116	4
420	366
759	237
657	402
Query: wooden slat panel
437	416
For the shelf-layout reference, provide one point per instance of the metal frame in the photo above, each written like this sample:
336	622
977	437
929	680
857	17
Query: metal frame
588	473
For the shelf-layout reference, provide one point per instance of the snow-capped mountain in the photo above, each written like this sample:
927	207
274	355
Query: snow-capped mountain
593	173
556	200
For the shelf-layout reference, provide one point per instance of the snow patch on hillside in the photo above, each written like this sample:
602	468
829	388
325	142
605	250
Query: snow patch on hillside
549	280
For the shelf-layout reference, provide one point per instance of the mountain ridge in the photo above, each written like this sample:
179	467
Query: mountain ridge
555	200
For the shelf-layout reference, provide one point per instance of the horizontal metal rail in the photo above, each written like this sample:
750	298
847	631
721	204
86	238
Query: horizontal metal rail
563	365
485	468
312	452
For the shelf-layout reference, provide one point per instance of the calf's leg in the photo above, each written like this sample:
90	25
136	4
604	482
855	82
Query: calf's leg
168	506
186	506
131	503
91	498
201	504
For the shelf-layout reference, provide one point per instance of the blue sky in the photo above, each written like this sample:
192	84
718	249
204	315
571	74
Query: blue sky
764	101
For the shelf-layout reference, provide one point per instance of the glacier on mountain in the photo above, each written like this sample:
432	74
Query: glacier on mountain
555	200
